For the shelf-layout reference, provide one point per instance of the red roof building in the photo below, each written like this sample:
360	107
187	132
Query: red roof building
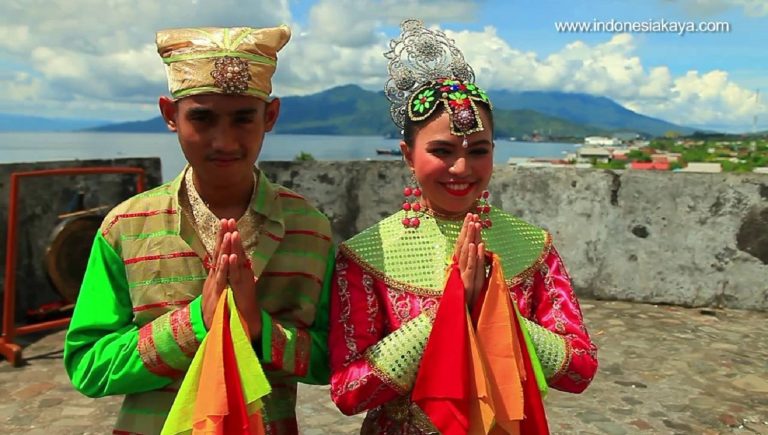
650	166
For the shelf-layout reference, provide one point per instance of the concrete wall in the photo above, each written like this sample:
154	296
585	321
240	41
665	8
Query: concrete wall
670	238
41	201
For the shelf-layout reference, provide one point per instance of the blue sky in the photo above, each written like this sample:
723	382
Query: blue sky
91	59
741	52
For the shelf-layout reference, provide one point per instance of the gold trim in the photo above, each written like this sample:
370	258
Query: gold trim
400	286
527	273
457	217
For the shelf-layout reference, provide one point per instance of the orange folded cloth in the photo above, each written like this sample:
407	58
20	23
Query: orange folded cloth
479	379
222	390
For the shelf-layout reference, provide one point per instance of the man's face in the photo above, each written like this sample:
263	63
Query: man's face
220	135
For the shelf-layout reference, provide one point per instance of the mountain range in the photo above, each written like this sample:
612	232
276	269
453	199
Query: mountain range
11	122
351	110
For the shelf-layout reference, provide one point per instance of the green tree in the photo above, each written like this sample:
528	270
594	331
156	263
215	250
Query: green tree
638	156
304	157
613	164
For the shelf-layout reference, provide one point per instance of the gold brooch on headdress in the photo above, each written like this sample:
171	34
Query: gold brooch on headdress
237	60
231	75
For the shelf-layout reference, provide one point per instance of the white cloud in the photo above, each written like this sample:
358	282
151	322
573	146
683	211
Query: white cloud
20	86
104	51
352	23
612	69
97	58
344	41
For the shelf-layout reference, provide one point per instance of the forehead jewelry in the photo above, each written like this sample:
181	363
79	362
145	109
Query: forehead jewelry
464	142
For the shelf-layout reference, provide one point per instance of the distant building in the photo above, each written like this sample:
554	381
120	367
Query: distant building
535	164
600	154
703	167
525	162
659	158
518	161
551	161
601	141
620	155
626	136
674	157
649	166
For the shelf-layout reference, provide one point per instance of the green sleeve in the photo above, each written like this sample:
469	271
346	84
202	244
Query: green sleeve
550	348
396	357
105	353
300	352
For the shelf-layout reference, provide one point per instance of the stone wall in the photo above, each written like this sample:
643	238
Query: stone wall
41	201
668	238
684	239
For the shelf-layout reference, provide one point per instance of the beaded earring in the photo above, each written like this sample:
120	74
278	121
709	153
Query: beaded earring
412	205
484	209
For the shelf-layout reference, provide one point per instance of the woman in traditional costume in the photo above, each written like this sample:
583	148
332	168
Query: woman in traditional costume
451	316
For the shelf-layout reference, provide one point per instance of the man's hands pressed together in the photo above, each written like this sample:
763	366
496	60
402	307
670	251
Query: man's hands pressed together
232	267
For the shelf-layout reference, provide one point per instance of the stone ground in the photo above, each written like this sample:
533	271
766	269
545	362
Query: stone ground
662	369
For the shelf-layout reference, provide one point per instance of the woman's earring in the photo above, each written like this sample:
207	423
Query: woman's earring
412	207
484	209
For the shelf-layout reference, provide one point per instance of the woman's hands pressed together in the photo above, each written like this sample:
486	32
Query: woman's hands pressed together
470	255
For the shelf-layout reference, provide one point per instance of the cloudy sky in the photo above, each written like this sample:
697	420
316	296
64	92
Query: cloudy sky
97	59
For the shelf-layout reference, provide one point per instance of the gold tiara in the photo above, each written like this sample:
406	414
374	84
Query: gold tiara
417	57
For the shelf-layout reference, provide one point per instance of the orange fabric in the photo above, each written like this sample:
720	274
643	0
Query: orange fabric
221	392
481	415
211	407
220	409
497	338
489	392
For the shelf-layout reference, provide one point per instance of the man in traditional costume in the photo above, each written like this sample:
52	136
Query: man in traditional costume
400	346
154	274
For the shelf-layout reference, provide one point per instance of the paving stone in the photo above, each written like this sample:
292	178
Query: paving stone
662	370
611	428
641	424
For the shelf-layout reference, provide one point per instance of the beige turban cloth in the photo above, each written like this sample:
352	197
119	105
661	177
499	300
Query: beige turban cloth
236	60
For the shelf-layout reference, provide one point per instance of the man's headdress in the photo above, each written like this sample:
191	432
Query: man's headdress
236	60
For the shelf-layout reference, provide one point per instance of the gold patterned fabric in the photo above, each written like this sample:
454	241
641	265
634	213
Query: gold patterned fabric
236	60
207	224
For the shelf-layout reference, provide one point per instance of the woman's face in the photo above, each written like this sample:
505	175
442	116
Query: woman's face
451	177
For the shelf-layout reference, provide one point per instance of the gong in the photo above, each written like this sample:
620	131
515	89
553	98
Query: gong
66	256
